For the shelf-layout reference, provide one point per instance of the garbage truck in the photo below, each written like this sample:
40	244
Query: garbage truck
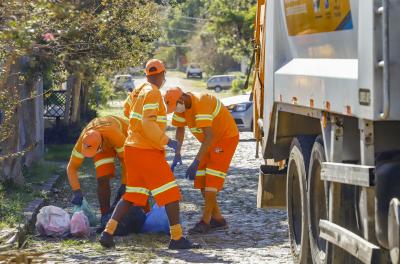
326	94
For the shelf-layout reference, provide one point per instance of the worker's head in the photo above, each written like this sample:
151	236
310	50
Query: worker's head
176	100
91	143
155	72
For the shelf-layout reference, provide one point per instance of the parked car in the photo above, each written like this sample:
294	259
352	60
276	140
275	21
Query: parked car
241	108
124	82
220	82
194	70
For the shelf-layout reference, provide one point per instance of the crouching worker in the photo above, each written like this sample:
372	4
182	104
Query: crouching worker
147	169
212	124
103	140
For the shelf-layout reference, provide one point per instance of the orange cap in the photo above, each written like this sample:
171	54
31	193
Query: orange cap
91	141
154	66
171	97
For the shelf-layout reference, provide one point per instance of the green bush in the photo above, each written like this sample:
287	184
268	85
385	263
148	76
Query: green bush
238	85
100	92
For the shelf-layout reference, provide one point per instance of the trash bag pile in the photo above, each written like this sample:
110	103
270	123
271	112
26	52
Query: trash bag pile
53	221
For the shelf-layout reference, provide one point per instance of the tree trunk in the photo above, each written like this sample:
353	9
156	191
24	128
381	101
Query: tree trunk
75	96
32	122
10	167
68	100
84	99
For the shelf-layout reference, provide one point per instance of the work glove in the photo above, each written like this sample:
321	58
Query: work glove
191	171
173	144
78	198
176	161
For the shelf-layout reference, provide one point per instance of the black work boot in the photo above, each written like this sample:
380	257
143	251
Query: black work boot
200	228
182	243
218	223
106	240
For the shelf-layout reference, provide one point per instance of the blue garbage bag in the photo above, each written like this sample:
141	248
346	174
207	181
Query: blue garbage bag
156	221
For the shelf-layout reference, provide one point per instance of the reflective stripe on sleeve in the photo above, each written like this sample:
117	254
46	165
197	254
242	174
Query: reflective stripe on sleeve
137	190
77	154
178	118
204	117
119	150
150	106
164	188
216	173
103	161
196	130
162	119
201	173
135	115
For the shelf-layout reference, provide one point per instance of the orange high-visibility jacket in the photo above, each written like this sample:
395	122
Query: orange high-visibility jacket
113	131
147	118
207	111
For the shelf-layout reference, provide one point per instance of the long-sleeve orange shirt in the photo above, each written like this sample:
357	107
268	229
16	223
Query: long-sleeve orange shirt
113	131
147	118
206	111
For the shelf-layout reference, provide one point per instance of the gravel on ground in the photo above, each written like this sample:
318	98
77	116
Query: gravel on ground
254	235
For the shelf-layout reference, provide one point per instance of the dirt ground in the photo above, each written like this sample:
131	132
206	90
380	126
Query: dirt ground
254	235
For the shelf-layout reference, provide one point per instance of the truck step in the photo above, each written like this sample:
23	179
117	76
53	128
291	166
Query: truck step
359	175
271	188
350	242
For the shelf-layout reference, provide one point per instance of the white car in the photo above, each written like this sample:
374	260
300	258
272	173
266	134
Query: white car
241	108
194	70
124	82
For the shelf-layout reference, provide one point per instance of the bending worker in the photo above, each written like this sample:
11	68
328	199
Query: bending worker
212	124
147	169
102	139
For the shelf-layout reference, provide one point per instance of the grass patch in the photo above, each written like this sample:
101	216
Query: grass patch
58	152
116	111
14	198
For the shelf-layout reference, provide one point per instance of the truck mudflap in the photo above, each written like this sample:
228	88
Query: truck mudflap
271	187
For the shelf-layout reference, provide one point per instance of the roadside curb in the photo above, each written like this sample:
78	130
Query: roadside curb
32	209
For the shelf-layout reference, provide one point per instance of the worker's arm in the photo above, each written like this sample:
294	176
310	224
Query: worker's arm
117	140
72	172
149	121
127	106
180	136
205	145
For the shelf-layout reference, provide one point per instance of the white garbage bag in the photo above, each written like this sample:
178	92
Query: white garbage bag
53	221
80	226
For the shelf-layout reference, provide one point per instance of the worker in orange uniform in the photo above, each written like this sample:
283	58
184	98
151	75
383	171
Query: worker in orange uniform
212	124
147	169
103	140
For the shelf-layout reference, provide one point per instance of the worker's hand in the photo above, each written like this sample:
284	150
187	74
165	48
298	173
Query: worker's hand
173	144
78	198
176	161
191	171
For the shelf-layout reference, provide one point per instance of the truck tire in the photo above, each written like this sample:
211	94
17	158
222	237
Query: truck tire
296	196
318	204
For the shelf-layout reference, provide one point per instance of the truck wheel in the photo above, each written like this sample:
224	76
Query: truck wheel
318	204
296	196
